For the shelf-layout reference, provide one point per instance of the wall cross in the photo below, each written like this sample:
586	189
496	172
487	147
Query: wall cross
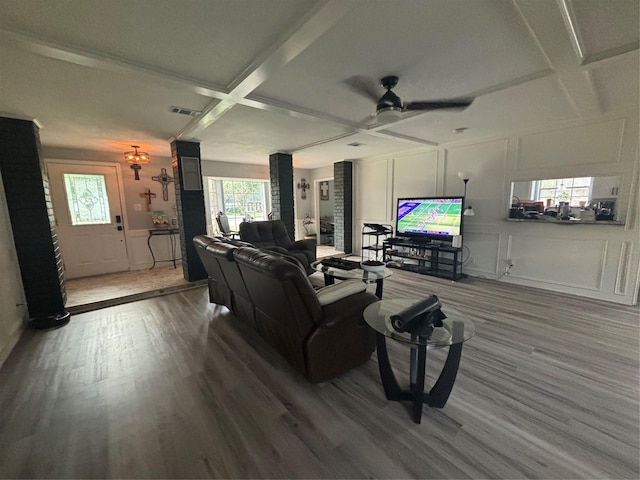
164	180
136	168
149	195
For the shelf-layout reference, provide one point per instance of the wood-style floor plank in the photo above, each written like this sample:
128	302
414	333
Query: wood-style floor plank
174	387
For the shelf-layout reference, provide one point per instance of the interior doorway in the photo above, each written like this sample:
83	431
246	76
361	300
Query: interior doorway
325	206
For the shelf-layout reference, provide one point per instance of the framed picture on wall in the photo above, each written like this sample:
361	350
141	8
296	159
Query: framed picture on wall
324	190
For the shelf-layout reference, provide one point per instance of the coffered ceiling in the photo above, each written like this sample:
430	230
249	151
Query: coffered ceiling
269	76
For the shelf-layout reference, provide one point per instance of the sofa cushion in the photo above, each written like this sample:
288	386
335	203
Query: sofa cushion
265	234
272	234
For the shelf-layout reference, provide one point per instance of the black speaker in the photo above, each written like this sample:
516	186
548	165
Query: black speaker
421	318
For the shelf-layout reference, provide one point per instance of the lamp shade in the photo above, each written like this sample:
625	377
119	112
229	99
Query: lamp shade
468	212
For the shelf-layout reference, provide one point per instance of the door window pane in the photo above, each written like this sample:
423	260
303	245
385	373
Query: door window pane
87	199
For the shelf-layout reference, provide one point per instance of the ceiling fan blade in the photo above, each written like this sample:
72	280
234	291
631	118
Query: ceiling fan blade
364	86
455	105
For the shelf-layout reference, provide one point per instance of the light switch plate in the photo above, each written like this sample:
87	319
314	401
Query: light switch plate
137	207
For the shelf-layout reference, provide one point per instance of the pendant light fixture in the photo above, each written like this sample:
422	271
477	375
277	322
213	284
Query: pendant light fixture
136	159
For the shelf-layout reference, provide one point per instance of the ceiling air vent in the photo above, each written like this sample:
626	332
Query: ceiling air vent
184	111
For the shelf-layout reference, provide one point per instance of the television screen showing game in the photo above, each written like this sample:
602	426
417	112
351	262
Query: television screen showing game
432	218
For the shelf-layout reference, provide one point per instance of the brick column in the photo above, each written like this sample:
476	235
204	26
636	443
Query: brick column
189	205
343	207
26	186
282	199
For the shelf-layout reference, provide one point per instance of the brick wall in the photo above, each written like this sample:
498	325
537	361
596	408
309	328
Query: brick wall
32	220
343	206
191	211
282	199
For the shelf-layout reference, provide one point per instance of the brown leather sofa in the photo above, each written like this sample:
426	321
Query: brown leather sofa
272	235
321	334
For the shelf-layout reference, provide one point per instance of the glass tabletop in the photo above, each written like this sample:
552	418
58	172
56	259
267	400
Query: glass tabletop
355	273
457	328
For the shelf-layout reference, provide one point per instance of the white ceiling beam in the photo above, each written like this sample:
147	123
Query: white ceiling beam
621	54
324	15
553	27
267	104
79	56
571	24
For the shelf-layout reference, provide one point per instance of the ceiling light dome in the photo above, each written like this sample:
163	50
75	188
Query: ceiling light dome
389	114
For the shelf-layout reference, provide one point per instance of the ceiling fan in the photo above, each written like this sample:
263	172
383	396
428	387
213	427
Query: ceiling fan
389	107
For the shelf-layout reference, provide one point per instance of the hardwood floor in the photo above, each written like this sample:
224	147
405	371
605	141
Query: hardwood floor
173	387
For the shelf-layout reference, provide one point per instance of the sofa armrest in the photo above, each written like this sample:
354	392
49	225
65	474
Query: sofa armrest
342	340
333	293
306	244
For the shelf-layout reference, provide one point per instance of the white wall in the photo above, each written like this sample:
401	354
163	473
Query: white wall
13	310
234	170
326	207
590	260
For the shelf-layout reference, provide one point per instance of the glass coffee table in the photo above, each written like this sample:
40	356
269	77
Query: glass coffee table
456	330
331	273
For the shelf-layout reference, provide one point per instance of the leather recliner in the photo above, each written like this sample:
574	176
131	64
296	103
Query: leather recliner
226	286
273	235
321	341
321	333
219	292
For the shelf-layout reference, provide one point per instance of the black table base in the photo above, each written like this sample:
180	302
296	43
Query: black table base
438	395
171	232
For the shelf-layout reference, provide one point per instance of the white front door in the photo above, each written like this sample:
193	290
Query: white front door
88	211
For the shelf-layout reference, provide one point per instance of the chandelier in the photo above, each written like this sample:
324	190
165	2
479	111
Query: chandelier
136	158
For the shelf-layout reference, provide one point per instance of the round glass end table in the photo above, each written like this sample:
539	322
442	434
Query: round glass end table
456	329
331	272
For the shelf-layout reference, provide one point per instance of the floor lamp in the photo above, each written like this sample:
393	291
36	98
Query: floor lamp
465	176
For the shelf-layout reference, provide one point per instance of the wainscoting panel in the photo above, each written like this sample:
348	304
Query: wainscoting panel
570	262
371	191
624	259
597	143
415	175
482	256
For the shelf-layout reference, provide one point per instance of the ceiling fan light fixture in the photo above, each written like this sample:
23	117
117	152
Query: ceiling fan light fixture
389	114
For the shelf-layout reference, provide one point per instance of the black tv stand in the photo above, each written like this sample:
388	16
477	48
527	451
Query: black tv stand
424	257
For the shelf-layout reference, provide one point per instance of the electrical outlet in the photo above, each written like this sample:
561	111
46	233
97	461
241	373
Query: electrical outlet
509	266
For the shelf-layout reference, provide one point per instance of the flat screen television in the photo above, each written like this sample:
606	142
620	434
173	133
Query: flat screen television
429	218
